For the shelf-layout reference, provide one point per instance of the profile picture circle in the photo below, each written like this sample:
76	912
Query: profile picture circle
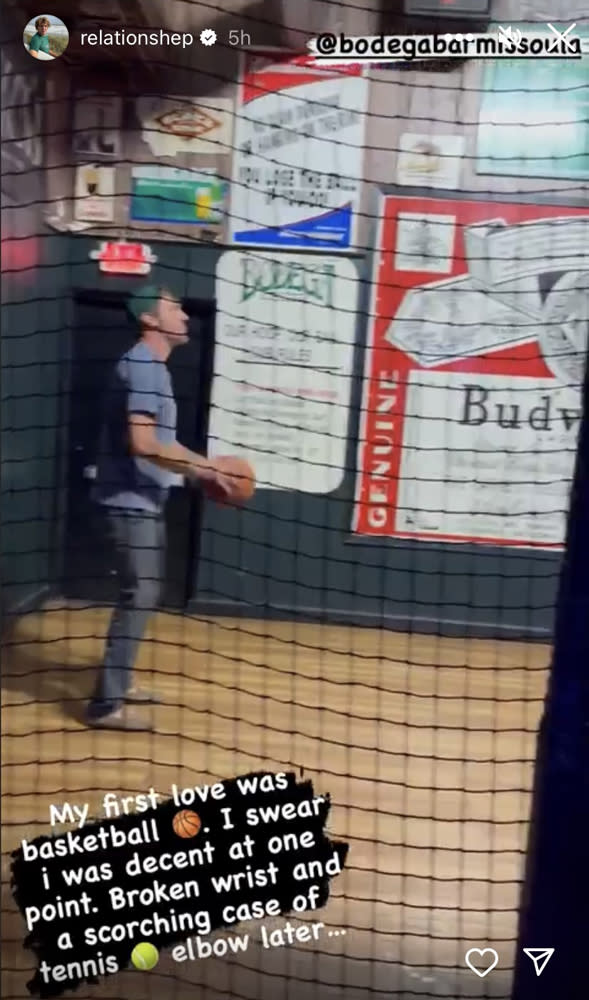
46	37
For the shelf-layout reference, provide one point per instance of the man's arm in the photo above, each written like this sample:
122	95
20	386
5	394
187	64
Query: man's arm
142	403
143	443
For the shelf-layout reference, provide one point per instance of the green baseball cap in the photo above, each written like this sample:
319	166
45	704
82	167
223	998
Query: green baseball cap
144	300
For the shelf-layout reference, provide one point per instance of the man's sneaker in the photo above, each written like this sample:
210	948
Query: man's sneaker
141	696
125	718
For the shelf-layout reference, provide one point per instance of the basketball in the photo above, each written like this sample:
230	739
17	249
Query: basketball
242	475
186	824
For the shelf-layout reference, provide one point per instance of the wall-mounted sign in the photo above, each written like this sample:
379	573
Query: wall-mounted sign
533	116
97	126
174	125
299	152
124	258
475	362
168	194
95	189
430	161
284	347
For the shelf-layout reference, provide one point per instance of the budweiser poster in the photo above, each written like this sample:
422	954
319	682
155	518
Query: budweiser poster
477	346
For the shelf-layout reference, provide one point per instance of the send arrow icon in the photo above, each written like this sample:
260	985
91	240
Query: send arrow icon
540	957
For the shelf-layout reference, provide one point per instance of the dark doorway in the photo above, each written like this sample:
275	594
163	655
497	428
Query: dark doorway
102	333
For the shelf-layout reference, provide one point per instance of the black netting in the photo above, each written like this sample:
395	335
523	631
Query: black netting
384	273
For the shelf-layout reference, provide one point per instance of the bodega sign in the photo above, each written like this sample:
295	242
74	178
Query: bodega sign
284	349
287	278
476	358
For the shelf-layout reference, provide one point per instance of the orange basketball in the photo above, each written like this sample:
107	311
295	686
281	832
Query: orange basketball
186	824
241	474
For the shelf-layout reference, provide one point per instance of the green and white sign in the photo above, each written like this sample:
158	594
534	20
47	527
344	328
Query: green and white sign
533	119
285	278
284	347
169	194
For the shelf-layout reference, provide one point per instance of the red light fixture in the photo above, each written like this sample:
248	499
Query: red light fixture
116	257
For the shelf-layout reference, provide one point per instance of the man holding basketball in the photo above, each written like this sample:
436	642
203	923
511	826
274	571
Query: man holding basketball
139	460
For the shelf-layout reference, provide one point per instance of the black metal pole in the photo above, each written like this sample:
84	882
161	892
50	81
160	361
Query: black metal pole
554	910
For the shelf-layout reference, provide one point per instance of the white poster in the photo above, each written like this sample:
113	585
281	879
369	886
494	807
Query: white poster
299	152
501	454
97	126
430	161
284	350
95	189
533	112
174	125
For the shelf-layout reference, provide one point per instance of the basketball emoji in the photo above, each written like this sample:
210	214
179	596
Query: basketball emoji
186	824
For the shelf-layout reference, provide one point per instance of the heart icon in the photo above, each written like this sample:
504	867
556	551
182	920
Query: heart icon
488	966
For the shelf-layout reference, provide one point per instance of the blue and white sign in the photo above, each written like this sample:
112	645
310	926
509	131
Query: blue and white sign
299	152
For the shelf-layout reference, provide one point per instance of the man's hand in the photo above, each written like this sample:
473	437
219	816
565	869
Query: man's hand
216	484
226	485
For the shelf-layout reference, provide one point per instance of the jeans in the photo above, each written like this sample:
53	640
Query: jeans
139	540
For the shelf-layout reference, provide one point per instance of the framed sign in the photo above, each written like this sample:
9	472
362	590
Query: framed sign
168	194
95	190
299	152
430	161
533	118
284	346
171	126
475	361
97	126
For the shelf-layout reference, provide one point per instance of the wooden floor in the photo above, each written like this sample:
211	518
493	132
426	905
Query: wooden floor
425	745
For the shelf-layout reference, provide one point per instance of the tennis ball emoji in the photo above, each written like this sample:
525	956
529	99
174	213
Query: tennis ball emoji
145	956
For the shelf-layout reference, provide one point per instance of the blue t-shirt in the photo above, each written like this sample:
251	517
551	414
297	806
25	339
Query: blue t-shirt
141	383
